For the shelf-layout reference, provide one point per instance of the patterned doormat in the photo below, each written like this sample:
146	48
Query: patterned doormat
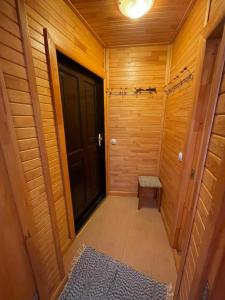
96	276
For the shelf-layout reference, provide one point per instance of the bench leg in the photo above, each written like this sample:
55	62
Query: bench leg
139	202
159	198
139	196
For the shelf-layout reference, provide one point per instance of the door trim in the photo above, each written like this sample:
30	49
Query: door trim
214	90
55	88
210	26
189	148
216	215
106	120
190	141
31	78
51	52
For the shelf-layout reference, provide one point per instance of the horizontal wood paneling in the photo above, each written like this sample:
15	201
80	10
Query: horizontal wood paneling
13	64
205	198
136	122
66	29
177	112
61	22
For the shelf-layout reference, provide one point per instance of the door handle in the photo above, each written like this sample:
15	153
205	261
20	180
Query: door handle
100	138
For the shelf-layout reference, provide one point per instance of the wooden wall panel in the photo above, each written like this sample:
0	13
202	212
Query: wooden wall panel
215	7
66	29
178	109
136	122
13	64
213	161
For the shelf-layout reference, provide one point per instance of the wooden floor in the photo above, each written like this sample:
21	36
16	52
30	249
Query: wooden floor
136	238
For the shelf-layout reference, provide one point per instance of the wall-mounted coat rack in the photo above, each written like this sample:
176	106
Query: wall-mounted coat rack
178	81
126	91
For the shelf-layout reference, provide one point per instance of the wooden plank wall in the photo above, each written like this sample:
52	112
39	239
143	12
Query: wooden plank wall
69	33
215	8
215	153
136	122
178	109
13	64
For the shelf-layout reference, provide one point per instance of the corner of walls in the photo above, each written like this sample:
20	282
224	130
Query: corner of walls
106	115
167	79
30	92
136	122
178	113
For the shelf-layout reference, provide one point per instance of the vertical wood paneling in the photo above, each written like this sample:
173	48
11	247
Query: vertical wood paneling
177	112
136	122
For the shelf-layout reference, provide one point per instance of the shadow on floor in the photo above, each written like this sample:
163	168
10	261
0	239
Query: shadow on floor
134	237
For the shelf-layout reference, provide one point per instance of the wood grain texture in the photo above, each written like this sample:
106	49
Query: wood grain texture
178	111
136	122
61	22
206	61
14	257
38	124
216	7
68	32
211	165
15	189
56	95
17	85
159	25
106	124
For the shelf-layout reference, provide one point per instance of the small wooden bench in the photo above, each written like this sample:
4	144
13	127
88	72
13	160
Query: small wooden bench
145	185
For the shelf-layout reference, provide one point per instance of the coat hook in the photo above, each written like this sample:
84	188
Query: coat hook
174	84
134	91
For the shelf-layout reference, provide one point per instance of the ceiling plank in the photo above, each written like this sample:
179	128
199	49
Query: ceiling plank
159	25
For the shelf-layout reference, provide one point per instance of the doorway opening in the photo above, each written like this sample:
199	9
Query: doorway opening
83	114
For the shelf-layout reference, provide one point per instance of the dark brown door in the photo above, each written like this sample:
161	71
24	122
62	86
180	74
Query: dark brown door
83	112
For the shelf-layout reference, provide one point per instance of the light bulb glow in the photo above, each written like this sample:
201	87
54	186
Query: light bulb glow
135	8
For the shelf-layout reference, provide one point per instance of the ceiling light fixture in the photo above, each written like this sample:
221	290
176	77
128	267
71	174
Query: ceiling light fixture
135	8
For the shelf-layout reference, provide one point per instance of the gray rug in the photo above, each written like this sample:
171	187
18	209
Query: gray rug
97	276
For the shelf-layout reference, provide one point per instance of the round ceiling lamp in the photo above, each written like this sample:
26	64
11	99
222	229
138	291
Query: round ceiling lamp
135	8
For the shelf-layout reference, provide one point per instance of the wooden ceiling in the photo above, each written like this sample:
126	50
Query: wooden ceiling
159	25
